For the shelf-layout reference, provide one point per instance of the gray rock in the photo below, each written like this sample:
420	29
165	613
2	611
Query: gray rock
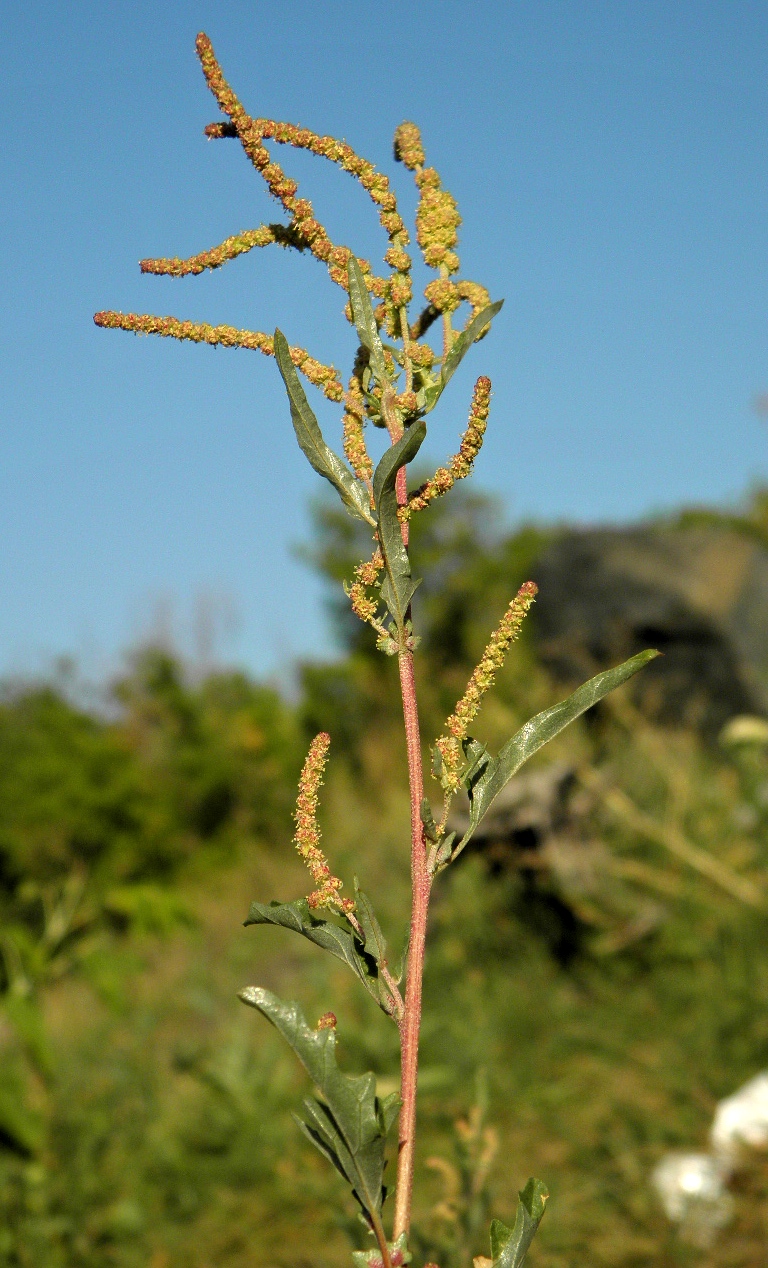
698	594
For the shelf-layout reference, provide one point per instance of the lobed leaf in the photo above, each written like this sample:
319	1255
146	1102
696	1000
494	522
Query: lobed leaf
324	933
352	492
485	779
365	322
398	587
349	1125
509	1246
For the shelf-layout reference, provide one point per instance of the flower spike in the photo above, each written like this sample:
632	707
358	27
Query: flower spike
457	726
460	465
323	376
307	838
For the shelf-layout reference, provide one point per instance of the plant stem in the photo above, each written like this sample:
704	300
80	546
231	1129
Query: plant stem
382	1241
411	1023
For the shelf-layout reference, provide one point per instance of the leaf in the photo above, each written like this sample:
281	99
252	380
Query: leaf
484	786
324	933
398	1251
428	820
398	586
463	342
509	1246
389	1107
348	1125
375	943
352	492
402	963
365	322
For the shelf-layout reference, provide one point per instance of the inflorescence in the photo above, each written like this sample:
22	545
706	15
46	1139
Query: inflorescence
307	838
449	746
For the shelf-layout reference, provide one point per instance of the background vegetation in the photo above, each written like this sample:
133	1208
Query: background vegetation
145	1115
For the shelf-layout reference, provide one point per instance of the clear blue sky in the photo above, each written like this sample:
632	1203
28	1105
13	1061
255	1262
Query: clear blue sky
611	163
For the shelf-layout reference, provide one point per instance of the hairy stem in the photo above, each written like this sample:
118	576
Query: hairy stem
411	1023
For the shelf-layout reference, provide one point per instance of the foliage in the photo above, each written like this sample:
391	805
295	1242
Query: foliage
163	1135
397	380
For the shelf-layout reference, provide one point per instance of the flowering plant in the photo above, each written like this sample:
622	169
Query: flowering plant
396	381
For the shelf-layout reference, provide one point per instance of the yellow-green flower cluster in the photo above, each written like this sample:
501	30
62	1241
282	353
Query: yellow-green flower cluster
437	222
230	249
460	465
323	376
252	133
476	296
457	725
307	838
353	424
366	575
408	147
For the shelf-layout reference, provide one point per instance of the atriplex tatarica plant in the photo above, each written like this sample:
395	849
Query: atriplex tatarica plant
397	380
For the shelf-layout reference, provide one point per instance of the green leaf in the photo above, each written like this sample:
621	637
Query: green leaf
372	1258
509	1246
428	820
485	781
398	586
352	492
375	944
402	964
365	322
324	933
463	342
389	1107
348	1124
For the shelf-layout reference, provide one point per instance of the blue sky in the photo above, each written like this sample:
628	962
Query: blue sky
611	164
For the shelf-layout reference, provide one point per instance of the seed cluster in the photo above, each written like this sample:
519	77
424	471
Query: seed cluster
457	725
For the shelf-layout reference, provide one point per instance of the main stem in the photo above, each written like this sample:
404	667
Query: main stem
411	1022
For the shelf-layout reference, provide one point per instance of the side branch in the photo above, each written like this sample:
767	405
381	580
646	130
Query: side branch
323	376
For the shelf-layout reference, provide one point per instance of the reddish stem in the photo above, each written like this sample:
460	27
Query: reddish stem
411	1022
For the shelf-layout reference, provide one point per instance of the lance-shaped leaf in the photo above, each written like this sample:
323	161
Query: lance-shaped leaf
326	934
509	1246
463	342
398	587
375	943
365	322
352	492
486	780
350	1123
